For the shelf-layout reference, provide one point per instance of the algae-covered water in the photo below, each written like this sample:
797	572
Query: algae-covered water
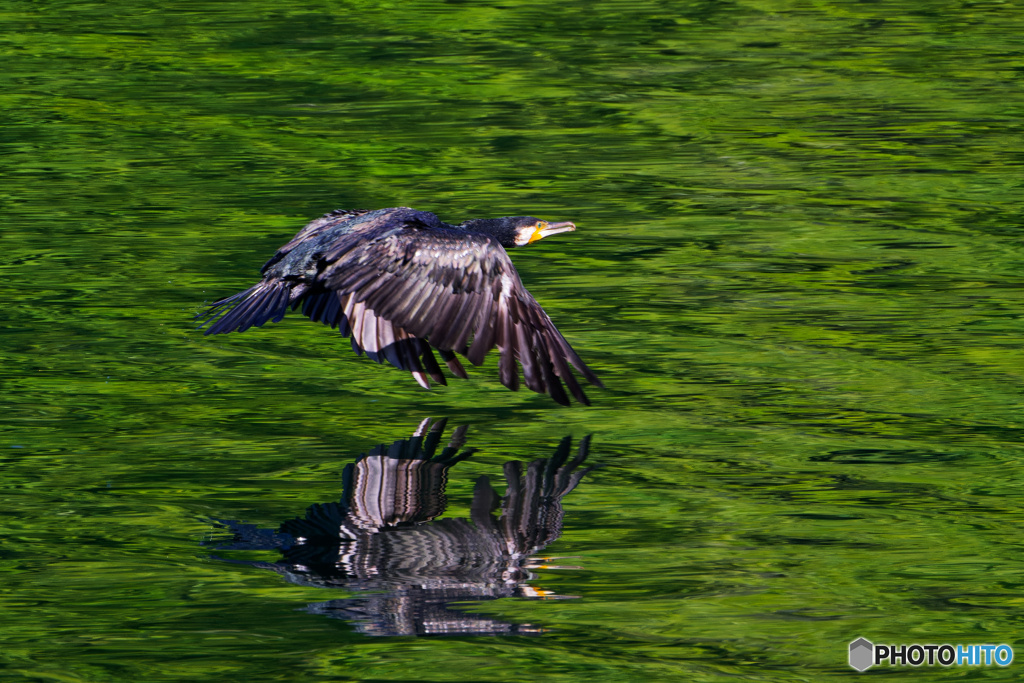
798	272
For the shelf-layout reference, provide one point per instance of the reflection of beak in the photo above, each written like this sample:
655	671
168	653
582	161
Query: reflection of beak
552	229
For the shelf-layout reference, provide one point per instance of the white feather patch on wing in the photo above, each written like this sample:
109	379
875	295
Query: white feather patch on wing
372	334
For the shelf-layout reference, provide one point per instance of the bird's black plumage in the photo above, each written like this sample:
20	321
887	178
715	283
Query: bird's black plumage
400	281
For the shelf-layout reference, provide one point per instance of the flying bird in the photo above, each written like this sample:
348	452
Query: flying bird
399	281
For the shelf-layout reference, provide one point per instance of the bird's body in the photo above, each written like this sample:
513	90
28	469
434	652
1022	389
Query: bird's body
400	281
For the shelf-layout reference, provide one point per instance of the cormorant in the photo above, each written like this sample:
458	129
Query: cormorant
399	281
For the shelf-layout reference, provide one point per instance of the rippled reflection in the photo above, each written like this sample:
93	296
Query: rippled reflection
383	537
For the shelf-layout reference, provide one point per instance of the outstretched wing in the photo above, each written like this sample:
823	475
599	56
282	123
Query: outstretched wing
460	292
399	287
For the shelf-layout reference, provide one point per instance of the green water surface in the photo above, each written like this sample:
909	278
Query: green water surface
798	271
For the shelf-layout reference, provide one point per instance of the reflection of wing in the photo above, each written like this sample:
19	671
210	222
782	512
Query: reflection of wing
405	484
390	485
383	536
531	511
401	281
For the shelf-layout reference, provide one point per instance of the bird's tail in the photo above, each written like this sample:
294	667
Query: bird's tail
255	306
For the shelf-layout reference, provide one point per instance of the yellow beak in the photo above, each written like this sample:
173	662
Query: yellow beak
550	229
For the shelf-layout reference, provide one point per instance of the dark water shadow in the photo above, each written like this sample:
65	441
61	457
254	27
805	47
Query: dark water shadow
383	538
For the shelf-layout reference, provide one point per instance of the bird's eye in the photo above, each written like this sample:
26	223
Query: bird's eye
542	225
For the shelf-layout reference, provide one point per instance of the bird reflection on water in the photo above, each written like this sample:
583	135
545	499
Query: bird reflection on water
383	538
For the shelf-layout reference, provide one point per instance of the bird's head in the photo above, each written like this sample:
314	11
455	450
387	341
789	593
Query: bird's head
516	231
